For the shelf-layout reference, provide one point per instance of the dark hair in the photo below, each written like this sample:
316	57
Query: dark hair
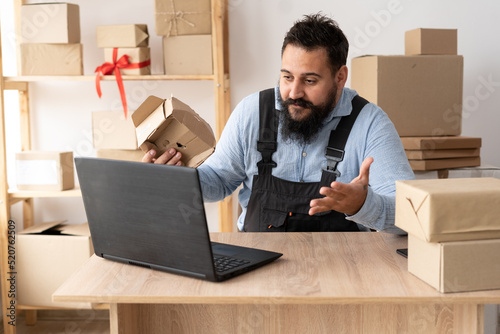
318	31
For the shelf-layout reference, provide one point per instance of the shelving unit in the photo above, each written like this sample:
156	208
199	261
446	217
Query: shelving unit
220	78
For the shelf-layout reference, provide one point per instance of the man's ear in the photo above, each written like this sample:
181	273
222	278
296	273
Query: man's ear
341	76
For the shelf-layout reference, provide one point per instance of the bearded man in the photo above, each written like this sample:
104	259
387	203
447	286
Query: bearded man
310	154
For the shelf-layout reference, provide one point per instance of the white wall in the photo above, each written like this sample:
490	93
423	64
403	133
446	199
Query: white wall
61	110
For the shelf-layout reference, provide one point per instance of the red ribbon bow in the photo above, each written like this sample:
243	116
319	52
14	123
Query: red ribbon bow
109	68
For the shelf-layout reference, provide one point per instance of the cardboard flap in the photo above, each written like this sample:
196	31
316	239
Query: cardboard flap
151	103
40	228
141	33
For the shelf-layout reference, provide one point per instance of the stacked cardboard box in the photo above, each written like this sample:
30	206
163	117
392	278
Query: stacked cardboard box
130	40
453	231
186	27
421	92
50	39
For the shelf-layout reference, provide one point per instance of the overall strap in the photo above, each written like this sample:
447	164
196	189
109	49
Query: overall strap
268	131
334	152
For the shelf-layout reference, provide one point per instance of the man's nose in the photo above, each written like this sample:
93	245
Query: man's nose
296	90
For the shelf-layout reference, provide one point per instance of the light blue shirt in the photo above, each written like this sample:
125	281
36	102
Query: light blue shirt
234	161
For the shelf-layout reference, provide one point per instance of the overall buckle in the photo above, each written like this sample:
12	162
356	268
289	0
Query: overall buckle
333	157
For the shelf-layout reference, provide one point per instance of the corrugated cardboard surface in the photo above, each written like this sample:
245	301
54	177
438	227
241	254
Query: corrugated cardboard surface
421	94
456	266
47	255
110	129
137	55
162	124
442	154
50	23
431	42
442	142
182	17
449	209
127	155
188	55
435	164
51	59
122	36
34	173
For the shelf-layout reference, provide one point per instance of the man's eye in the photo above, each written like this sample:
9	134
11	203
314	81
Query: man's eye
287	77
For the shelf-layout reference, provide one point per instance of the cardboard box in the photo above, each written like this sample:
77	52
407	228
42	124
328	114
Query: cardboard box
431	42
50	23
110	129
122	36
449	209
421	94
456	266
183	17
51	59
188	55
441	154
127	155
137	55
47	255
440	143
435	164
162	124
44	170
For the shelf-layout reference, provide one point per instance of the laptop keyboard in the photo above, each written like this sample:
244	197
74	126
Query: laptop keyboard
225	263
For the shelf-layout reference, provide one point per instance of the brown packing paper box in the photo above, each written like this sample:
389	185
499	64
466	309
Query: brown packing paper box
137	55
162	124
50	23
431	42
127	155
51	59
122	36
44	171
456	266
442	154
188	55
421	94
449	209
434	164
183	17
111	130
46	256
440	143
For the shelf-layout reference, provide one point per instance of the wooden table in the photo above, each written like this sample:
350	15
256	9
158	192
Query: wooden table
324	283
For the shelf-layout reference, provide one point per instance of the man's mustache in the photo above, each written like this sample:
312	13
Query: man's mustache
300	102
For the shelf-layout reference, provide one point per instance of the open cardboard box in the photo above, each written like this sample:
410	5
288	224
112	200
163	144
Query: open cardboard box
449	209
165	123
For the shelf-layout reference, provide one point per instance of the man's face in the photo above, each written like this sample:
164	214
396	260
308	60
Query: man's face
308	91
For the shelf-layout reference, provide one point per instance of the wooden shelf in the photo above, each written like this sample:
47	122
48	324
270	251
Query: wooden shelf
22	194
154	77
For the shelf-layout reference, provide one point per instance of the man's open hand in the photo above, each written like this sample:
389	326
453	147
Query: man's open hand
347	198
170	157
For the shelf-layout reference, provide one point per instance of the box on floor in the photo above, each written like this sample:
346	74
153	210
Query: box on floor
456	266
165	123
51	59
122	36
398	84
50	23
44	170
449	209
47	255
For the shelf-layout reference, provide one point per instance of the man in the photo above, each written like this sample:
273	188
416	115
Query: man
310	154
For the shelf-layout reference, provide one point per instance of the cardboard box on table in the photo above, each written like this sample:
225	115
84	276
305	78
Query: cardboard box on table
126	155
50	23
431	42
188	55
434	164
46	256
165	123
442	154
443	210
44	171
440	143
455	266
122	36
51	59
137	55
183	17
111	130
421	94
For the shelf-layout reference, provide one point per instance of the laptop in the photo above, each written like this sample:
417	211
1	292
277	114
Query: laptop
153	216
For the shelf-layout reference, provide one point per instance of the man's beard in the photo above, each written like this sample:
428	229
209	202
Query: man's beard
306	129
